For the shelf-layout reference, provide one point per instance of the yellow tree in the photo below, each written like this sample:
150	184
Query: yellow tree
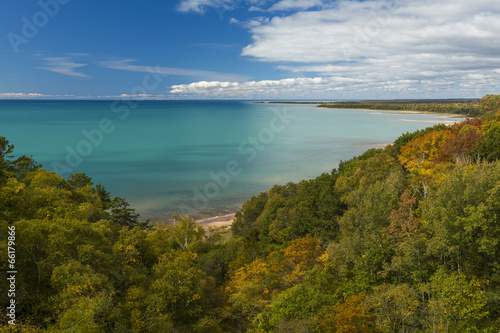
299	257
252	287
350	316
248	290
420	156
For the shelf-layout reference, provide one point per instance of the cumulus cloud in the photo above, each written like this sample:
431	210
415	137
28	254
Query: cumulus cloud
63	65
375	84
285	88
365	49
250	84
353	31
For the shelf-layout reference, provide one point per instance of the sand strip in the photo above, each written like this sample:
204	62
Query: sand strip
217	221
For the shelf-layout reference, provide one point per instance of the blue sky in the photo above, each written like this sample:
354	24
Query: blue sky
249	49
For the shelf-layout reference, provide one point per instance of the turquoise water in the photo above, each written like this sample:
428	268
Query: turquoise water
200	158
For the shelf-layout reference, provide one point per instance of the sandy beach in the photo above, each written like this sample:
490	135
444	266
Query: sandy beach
217	221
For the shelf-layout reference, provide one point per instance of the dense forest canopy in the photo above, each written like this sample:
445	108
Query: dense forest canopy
400	239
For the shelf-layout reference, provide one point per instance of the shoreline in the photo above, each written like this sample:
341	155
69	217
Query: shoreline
318	105
217	221
224	216
448	115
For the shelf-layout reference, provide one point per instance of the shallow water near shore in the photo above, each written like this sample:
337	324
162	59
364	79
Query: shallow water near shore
202	158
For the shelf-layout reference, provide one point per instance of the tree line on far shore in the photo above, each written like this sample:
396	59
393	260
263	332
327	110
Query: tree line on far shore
485	107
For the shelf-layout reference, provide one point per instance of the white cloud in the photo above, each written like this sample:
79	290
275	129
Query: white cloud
21	95
249	24
288	88
126	65
371	49
354	31
364	49
200	6
127	97
67	96
344	84
255	9
62	65
285	5
34	96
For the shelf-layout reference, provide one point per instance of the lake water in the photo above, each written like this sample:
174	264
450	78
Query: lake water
196	157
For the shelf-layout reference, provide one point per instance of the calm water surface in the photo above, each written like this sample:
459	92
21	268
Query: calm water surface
201	158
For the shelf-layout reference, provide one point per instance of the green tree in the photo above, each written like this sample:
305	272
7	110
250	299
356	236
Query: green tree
406	235
46	195
104	195
457	304
245	220
360	252
317	291
490	148
186	231
51	243
394	308
179	290
14	168
79	179
82	298
461	219
123	215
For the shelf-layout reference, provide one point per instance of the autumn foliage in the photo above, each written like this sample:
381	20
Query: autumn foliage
349	316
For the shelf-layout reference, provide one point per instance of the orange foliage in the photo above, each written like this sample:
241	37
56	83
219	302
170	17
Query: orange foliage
253	273
421	154
252	286
403	222
406	234
350	316
455	144
299	257
464	140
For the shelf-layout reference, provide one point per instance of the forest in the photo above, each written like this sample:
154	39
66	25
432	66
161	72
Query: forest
400	239
469	108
